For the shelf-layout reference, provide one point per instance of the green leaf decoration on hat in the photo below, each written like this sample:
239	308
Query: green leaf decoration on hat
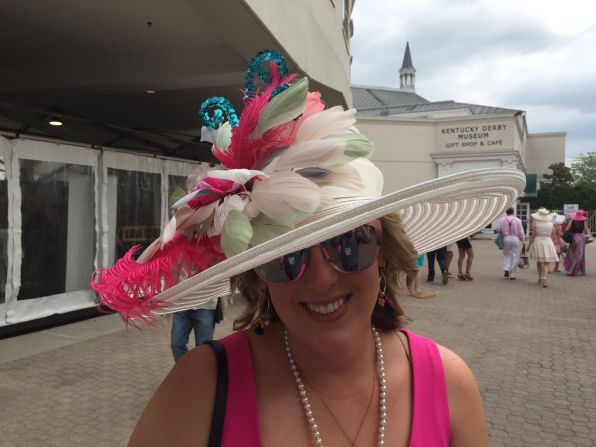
265	229
357	145
237	233
224	136
284	107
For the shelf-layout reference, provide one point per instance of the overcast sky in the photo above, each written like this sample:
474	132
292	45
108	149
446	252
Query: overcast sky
537	56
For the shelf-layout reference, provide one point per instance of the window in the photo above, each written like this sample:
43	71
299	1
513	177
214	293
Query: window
176	189
3	229
57	227
134	209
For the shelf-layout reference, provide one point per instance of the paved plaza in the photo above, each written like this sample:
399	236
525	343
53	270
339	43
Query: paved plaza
533	352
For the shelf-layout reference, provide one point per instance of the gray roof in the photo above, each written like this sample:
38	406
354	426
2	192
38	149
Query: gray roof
475	109
373	97
407	63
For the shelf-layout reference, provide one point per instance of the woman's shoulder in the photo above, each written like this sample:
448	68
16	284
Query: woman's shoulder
465	405
179	413
457	372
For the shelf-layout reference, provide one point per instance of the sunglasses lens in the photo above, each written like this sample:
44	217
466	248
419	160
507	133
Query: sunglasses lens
284	269
353	251
350	252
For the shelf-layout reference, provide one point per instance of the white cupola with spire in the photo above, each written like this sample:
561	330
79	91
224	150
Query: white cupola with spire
407	72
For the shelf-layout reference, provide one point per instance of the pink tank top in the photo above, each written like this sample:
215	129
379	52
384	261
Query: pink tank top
431	426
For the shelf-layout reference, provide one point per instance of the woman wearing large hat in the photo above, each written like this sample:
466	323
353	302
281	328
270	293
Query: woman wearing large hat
540	246
575	259
320	356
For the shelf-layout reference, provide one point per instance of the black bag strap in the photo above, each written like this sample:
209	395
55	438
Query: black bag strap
221	394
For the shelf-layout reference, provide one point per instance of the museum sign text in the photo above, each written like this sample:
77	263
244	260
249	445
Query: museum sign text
475	136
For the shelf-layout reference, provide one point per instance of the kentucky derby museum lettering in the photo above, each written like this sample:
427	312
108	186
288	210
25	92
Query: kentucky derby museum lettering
493	135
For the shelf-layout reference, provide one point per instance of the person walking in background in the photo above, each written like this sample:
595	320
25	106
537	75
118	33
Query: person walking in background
464	247
558	220
449	258
541	247
413	280
441	256
202	321
512	230
575	258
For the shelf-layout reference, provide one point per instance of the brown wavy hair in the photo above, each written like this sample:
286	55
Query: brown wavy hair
400	255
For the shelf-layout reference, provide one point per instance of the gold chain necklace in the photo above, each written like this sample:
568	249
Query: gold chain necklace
370	399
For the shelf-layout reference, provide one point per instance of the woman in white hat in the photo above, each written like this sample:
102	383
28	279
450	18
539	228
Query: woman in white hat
320	355
540	247
558	220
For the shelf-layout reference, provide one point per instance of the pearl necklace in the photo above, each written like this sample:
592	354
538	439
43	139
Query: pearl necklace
310	417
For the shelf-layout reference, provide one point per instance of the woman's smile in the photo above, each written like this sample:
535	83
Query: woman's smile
327	310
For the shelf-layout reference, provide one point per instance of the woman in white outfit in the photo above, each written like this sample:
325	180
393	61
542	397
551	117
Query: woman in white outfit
541	247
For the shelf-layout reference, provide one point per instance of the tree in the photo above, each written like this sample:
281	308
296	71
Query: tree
569	185
555	196
583	169
561	174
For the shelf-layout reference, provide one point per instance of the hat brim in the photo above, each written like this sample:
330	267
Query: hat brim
435	213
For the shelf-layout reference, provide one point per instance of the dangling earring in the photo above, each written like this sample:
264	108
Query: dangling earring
265	319
382	297
382	300
260	327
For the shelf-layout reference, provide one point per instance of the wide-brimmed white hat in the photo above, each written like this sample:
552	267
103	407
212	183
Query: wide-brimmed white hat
543	214
557	219
295	175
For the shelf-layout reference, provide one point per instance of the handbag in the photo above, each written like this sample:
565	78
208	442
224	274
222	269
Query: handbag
568	237
499	241
523	259
218	315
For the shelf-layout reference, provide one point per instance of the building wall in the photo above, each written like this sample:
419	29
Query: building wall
314	38
310	34
402	150
544	149
413	151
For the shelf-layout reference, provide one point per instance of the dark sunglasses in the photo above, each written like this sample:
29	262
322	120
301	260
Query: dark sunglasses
350	252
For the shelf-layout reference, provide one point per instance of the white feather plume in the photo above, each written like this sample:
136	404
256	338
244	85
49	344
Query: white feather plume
237	175
319	153
328	122
286	197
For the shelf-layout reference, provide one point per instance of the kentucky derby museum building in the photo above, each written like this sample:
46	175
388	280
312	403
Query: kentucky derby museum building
416	139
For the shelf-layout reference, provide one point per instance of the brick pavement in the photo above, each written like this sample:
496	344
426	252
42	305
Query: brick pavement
532	350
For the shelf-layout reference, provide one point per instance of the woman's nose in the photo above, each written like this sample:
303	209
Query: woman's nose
319	274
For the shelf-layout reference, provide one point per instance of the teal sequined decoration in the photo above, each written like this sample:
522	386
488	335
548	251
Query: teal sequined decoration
256	68
220	106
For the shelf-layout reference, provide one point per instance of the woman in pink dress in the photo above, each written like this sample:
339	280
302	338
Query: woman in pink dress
575	258
320	355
